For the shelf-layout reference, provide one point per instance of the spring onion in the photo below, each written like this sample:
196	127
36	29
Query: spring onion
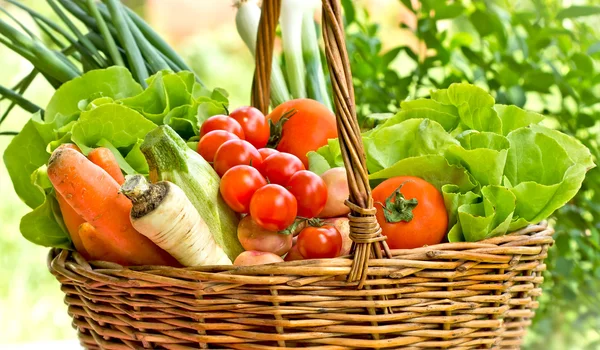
317	88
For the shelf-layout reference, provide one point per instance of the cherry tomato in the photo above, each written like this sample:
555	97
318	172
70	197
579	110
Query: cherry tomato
265	152
278	168
319	242
273	207
238	185
210	143
222	122
255	124
310	192
235	152
429	220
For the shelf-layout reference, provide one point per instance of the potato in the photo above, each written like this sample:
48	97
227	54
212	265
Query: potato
254	237
294	254
253	257
337	193
342	224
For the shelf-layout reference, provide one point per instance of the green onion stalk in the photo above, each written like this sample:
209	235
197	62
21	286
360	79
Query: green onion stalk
246	22
315	78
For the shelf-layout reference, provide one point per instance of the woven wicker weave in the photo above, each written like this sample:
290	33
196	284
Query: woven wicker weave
451	295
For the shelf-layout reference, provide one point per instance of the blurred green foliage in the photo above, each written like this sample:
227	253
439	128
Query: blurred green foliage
536	54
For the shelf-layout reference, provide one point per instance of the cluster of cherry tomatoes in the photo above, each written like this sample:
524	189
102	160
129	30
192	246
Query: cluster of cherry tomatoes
272	188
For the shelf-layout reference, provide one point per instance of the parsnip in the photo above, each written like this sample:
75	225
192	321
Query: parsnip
163	213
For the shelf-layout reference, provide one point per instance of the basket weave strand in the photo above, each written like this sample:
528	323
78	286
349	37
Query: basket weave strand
449	296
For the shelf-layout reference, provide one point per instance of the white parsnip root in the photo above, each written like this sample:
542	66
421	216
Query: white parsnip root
163	213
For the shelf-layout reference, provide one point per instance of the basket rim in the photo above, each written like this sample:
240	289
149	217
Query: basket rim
500	249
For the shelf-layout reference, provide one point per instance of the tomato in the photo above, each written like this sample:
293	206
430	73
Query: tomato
265	152
222	122
273	207
310	192
306	130
238	185
278	168
235	152
255	124
319	242
429	220
210	143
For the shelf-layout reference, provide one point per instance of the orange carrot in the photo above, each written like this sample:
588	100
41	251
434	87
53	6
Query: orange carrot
97	247
104	158
71	146
72	221
95	196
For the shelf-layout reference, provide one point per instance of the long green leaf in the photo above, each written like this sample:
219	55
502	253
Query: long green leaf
113	51
19	100
48	33
25	29
132	51
153	58
92	50
578	11
20	88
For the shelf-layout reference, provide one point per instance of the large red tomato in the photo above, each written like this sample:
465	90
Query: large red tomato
414	217
309	126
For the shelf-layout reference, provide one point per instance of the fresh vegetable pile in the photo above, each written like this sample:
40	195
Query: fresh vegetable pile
496	167
168	176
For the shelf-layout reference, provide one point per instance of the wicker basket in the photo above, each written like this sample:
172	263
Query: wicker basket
451	295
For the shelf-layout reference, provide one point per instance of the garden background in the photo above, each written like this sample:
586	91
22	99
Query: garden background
540	54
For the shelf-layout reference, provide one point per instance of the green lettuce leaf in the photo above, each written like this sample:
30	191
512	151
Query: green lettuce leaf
431	168
454	198
119	125
184	120
489	218
135	158
514	117
317	163
475	106
411	138
448	121
483	154
44	225
115	82
541	173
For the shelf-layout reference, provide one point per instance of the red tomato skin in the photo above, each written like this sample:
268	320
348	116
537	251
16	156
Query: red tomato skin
310	192
278	168
235	152
238	185
210	143
307	130
255	125
430	219
265	152
222	122
319	242
273	207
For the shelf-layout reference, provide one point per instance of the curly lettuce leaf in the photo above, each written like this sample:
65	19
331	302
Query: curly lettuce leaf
483	154
431	168
411	138
475	106
119	125
514	117
454	198
541	173
489	218
115	82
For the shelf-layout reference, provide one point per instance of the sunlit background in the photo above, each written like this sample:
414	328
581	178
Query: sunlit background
203	32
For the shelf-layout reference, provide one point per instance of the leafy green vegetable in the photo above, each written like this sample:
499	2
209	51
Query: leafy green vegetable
114	82
44	225
411	138
514	117
116	123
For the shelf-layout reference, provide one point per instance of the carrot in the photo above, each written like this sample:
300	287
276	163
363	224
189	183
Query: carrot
95	196
71	146
104	158
72	221
96	246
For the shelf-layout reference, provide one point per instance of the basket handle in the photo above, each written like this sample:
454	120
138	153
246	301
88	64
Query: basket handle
364	229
